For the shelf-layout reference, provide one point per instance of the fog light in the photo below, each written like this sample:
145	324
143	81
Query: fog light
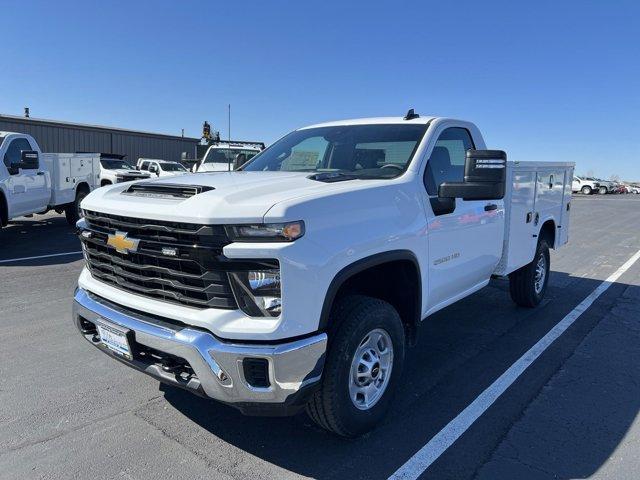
257	292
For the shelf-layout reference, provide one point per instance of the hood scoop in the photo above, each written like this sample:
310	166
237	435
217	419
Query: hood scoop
165	190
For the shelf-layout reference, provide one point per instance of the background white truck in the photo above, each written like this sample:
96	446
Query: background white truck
161	168
115	169
299	281
35	182
222	157
585	185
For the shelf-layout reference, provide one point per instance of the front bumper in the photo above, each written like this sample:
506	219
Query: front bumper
197	361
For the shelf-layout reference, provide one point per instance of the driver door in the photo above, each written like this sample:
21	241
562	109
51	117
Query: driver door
26	188
465	244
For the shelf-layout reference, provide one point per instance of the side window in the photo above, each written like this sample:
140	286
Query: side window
446	163
144	166
14	151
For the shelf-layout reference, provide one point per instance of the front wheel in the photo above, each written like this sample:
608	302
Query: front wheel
528	284
363	366
73	212
602	190
586	190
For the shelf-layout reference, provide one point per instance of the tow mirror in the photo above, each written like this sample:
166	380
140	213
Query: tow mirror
485	174
29	159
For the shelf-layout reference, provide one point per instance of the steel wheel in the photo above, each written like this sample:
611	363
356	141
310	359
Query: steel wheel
371	369
540	275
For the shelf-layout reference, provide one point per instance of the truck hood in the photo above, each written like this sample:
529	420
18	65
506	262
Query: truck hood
235	197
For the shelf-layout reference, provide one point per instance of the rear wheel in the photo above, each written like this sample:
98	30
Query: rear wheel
528	284
363	366
73	212
602	190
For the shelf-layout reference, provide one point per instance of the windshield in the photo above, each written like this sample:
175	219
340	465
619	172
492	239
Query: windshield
227	155
172	167
363	151
115	164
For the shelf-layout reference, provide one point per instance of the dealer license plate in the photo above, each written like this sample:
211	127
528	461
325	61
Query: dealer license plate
114	339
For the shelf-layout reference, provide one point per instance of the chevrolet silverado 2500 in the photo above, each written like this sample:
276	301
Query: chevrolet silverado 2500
299	280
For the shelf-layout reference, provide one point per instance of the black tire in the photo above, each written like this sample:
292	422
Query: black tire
4	212
73	211
602	190
522	282
331	406
586	190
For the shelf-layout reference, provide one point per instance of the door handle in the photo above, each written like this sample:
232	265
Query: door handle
490	206
40	173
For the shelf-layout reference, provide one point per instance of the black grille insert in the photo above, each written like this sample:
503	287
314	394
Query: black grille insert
256	372
174	262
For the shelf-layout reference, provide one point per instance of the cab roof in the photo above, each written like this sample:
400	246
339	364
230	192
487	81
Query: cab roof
422	120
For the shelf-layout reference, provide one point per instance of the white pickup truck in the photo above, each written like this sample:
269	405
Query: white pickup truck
161	168
300	280
585	185
114	169
35	182
223	157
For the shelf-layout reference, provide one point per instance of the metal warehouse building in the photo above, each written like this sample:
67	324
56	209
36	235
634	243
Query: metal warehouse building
65	137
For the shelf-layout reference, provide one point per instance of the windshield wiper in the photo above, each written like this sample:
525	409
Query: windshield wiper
331	177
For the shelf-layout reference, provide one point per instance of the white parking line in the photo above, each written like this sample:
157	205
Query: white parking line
435	447
10	260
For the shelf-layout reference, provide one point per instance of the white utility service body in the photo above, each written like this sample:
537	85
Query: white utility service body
536	192
52	181
67	171
335	242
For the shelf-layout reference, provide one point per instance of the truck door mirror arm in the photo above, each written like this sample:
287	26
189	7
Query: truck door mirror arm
442	205
14	168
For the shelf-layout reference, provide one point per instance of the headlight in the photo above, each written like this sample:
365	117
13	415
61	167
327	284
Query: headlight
266	232
257	292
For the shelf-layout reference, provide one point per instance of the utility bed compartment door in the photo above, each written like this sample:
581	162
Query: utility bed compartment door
563	232
519	242
550	197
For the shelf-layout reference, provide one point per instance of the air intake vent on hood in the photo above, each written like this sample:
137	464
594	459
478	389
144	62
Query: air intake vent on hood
165	190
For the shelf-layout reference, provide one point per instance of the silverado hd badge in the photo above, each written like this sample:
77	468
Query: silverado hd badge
122	243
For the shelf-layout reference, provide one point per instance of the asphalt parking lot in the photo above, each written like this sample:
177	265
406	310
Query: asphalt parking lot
69	411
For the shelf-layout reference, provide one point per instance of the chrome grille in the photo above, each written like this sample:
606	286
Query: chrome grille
193	274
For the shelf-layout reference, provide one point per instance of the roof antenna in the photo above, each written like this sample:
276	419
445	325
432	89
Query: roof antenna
411	115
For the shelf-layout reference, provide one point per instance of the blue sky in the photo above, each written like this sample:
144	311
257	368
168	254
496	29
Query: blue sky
543	80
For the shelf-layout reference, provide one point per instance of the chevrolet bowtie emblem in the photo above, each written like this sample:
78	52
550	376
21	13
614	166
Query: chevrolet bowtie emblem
121	243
